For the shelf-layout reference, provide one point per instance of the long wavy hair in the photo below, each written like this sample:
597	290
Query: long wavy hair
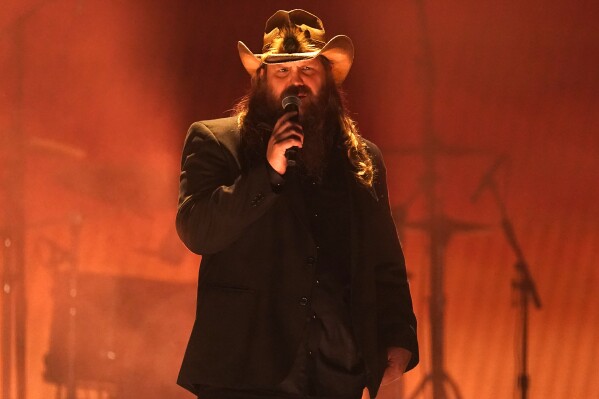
253	121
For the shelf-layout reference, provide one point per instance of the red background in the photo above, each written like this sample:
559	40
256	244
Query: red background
103	92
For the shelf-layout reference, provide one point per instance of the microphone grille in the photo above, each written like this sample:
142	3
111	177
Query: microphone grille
291	100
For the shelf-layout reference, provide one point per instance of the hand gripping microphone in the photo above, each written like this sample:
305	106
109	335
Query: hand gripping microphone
292	104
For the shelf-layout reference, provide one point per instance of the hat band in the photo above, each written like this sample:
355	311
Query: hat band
275	58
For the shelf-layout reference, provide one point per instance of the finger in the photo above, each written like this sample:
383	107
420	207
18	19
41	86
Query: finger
292	138
286	130
285	126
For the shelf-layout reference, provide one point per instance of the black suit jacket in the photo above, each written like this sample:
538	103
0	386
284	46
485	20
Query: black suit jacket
258	262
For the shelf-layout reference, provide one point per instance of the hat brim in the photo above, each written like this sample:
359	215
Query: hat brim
339	51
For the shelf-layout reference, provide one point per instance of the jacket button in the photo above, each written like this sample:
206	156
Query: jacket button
310	260
303	301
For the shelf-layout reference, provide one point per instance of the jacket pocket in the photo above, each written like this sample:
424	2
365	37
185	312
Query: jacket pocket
221	334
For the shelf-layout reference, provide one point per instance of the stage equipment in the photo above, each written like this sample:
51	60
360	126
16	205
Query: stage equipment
13	161
438	226
128	338
524	283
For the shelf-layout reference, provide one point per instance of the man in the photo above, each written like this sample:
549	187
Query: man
302	287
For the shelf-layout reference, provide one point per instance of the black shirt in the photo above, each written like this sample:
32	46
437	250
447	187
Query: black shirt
328	363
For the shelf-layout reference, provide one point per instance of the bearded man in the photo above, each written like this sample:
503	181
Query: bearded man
302	288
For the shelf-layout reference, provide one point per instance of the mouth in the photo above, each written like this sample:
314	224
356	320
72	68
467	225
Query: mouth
299	91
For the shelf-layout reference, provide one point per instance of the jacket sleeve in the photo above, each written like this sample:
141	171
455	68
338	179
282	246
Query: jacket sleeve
216	201
397	322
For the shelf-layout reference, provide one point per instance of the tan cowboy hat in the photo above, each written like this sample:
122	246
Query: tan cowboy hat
299	35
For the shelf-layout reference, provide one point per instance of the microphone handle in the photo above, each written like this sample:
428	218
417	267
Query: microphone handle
291	153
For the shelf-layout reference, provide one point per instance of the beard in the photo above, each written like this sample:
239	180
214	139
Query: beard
318	118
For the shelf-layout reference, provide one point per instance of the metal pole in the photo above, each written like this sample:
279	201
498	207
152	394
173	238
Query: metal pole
525	285
523	377
14	313
73	278
7	322
439	231
436	241
14	286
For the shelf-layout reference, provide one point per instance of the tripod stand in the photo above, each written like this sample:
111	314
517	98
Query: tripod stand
440	229
438	226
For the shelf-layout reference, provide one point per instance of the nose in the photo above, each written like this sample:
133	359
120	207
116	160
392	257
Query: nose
296	77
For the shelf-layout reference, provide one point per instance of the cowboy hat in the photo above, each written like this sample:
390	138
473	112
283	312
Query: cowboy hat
299	35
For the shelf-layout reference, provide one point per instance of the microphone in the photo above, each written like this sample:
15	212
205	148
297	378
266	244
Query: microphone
292	104
487	178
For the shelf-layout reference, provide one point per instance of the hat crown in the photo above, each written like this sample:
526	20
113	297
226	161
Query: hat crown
293	31
299	35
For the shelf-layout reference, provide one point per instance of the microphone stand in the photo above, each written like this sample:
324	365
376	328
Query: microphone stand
524	284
